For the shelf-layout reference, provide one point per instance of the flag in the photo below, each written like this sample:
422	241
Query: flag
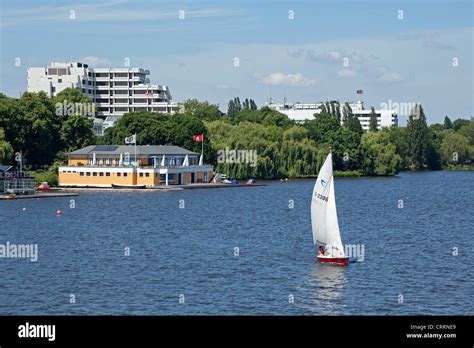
132	139
359	91
198	138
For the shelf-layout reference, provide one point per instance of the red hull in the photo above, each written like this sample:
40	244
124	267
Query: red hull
342	261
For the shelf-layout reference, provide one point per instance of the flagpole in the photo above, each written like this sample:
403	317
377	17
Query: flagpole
202	149
136	160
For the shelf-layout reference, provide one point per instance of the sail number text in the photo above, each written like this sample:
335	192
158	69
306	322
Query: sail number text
321	197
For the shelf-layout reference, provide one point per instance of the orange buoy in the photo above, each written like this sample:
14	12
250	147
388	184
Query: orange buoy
58	212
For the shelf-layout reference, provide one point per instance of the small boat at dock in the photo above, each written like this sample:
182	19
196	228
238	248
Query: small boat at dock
130	187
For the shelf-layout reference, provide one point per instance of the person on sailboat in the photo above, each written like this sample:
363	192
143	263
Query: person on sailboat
321	251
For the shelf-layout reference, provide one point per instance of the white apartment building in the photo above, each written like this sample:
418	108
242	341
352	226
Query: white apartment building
114	91
305	111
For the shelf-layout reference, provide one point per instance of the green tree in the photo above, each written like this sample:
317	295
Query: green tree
447	123
76	132
345	145
6	150
417	138
455	149
397	137
459	123
40	128
73	95
354	125
322	127
373	121
273	117
253	105
347	114
379	154
468	131
202	110
296	133
231	110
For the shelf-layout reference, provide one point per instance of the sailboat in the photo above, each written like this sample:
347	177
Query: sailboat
326	234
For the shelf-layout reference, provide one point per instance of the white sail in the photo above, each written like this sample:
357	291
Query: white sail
323	212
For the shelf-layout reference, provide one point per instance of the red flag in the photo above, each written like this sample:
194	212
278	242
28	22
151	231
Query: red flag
359	91
198	138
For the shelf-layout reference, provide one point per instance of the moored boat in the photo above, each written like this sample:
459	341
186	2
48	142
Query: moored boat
117	186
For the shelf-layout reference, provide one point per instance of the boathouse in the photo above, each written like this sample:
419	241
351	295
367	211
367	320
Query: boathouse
148	165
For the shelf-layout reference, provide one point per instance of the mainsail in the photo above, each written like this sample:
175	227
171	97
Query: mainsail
323	212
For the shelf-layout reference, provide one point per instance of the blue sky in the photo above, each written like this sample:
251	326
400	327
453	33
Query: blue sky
393	60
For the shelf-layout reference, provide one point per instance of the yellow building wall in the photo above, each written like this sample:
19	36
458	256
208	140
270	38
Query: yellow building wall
77	161
131	178
76	179
143	180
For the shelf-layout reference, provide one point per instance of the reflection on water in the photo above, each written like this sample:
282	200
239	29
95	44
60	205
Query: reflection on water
323	289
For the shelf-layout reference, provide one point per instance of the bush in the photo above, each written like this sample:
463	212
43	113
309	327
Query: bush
50	177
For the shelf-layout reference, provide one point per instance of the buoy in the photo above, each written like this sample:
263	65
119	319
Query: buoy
24	209
58	212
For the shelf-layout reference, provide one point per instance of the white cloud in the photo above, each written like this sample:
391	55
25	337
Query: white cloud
333	55
95	61
390	76
346	73
281	79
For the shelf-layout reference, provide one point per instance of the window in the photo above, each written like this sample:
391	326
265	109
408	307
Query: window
101	174
94	174
141	175
88	174
81	173
147	175
125	174
107	174
60	80
119	174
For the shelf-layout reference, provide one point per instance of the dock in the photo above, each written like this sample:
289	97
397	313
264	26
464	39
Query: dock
39	194
74	191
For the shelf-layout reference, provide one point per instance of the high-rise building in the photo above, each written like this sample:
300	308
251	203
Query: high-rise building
115	91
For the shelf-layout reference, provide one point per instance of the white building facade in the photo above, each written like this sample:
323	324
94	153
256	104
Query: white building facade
114	91
305	111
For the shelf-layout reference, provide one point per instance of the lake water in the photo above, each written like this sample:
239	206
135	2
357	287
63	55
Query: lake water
189	253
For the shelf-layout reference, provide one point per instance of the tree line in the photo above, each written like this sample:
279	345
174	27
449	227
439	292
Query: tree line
32	125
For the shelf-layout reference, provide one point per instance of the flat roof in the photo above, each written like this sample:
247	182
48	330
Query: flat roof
141	150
